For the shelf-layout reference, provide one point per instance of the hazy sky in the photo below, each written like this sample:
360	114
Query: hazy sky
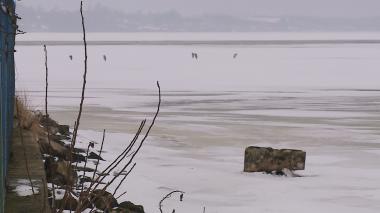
324	8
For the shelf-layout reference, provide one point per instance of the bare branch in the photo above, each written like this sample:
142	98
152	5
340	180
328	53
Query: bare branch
120	158
100	154
168	196
122	180
84	78
134	154
75	132
121	195
91	144
46	95
144	138
46	80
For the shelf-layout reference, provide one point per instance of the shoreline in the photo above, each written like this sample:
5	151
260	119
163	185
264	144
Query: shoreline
199	43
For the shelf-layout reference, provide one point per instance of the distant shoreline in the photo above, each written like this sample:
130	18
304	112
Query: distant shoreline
198	42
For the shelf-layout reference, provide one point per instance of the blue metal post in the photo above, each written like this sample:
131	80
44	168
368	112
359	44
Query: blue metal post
7	85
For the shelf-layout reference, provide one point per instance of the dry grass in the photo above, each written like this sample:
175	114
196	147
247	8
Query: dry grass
26	117
30	120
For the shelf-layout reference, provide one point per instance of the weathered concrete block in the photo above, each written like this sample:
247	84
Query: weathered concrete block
261	159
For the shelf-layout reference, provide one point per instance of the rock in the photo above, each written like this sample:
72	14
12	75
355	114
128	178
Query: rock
84	199
131	208
64	129
77	150
58	149
57	139
71	203
53	130
92	155
120	210
60	138
53	148
103	200
78	158
47	121
261	159
85	179
60	172
87	169
54	127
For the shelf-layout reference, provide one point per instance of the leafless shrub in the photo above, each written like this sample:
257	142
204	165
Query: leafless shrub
96	188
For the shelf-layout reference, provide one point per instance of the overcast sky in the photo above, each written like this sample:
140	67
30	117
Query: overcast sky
242	8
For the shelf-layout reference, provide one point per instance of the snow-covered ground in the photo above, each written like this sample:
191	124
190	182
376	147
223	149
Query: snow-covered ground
324	99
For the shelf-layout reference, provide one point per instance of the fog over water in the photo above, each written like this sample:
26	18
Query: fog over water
201	16
320	8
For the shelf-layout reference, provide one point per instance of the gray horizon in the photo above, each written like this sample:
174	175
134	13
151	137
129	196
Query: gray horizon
237	8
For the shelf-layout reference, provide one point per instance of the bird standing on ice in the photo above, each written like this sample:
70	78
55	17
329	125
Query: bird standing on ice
194	55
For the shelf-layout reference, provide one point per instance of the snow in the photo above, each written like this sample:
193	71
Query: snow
213	178
23	188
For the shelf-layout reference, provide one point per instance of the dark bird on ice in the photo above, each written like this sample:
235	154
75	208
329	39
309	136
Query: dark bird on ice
71	57
194	55
235	55
104	57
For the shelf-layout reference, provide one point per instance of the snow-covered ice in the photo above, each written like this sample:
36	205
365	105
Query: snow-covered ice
323	99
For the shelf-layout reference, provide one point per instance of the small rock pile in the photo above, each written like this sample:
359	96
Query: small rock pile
54	139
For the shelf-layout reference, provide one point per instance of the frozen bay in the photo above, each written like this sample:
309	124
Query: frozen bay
322	98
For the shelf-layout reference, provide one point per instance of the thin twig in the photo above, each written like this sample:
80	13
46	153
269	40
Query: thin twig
46	95
75	132
144	138
85	164
168	196
47	114
84	77
121	195
100	178
122	180
117	161
104	189
100	154
132	157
